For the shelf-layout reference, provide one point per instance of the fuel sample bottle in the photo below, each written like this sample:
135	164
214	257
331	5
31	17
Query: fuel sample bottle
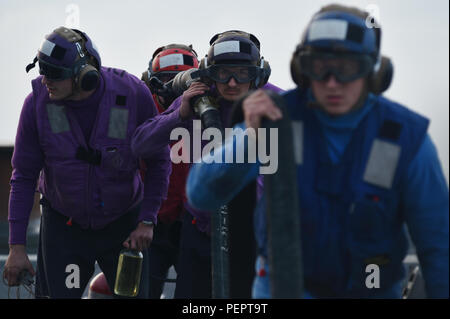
128	274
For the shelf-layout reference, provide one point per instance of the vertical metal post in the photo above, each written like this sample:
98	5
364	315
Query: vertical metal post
219	254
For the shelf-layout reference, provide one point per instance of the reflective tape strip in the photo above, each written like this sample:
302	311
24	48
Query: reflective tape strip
118	123
47	47
297	133
171	59
328	29
226	47
57	118
382	163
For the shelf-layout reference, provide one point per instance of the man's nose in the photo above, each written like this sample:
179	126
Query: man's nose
232	82
331	82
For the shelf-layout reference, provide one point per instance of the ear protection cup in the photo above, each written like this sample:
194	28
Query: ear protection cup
203	63
296	73
145	77
88	78
381	77
265	72
86	75
294	68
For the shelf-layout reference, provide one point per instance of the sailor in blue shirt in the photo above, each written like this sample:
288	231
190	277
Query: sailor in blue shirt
368	168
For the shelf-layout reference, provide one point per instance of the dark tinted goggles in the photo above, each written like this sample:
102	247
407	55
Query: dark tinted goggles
345	68
53	72
165	76
224	73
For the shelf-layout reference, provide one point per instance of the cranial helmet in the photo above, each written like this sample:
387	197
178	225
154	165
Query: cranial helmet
69	53
343	31
166	62
173	58
239	48
169	60
233	47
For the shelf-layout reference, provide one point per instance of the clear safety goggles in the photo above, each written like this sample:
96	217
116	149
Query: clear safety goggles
224	73
53	72
344	67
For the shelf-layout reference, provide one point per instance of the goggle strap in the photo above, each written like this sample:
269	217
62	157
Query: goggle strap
31	65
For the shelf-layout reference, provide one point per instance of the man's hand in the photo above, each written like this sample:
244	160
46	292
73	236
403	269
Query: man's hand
17	262
258	105
196	88
141	238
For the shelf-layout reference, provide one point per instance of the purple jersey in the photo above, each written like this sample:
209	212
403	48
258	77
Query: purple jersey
49	138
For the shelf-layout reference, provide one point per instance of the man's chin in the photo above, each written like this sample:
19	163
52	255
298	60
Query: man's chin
336	109
55	97
232	97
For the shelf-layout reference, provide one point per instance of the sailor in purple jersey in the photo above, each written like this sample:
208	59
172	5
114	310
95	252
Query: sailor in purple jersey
233	66
74	136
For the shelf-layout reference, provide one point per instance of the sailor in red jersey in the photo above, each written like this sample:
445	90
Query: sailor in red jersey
166	62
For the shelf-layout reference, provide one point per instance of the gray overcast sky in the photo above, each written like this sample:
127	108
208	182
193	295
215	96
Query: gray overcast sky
415	36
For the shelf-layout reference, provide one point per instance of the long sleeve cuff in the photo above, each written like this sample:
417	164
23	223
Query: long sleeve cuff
18	232
21	203
149	210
